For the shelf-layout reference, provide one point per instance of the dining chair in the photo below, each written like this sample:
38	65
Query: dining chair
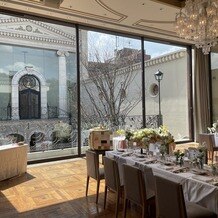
149	181
112	181
170	202
135	190
93	171
209	141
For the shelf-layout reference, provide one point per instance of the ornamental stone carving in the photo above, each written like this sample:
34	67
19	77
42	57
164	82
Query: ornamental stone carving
63	53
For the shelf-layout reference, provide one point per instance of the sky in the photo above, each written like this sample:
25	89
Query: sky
106	42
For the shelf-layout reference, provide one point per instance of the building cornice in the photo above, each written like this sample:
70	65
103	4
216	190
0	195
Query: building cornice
39	33
165	58
152	62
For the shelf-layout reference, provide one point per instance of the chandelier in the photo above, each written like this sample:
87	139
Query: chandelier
199	22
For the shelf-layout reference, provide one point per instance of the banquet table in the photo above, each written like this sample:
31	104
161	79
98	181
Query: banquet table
196	188
13	160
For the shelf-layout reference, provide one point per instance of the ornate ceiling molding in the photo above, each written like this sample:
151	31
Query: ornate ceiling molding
71	12
144	24
122	16
117	21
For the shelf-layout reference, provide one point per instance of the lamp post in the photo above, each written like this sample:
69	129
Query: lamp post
159	76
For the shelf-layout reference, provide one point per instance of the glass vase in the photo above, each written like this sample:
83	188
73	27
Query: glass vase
201	164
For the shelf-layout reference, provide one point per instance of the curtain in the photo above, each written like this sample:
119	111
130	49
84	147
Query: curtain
201	93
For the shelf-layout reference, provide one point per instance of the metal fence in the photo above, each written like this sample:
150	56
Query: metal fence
11	129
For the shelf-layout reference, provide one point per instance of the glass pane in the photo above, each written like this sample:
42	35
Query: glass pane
111	90
38	87
214	75
172	88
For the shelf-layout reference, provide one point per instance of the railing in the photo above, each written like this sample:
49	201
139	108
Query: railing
46	125
50	112
5	112
131	122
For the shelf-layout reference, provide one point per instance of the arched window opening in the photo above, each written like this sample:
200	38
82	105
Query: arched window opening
29	97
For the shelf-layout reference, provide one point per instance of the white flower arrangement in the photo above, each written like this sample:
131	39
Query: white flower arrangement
214	128
143	137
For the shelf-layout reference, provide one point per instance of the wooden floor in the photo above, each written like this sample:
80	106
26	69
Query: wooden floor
55	190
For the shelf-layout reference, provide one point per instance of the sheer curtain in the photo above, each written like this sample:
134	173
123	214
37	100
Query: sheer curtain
201	93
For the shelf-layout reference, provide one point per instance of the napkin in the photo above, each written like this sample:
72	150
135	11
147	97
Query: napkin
199	172
126	154
139	159
151	160
179	169
202	178
140	155
166	167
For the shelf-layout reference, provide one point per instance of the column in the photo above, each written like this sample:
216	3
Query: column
62	83
14	102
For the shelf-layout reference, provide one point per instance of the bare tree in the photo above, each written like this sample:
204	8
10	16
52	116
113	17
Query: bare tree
106	84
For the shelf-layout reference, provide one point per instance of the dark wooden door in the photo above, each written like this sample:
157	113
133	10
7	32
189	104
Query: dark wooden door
29	107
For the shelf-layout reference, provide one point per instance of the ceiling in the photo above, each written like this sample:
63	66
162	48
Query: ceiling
151	18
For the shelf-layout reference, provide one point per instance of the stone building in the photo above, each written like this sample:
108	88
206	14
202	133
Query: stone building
37	66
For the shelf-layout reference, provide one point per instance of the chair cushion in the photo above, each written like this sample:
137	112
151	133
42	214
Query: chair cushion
101	173
197	211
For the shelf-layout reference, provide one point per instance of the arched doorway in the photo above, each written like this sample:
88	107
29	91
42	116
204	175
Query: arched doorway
29	97
15	92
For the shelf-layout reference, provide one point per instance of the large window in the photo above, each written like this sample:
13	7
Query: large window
38	87
172	106
214	83
111	90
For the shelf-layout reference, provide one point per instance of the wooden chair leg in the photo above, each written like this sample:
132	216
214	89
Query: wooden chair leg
105	196
125	207
212	156
117	204
97	191
87	185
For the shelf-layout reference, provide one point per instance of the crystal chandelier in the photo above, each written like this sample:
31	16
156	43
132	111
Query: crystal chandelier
199	22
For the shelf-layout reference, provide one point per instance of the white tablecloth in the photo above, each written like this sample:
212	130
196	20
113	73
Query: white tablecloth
13	160
196	191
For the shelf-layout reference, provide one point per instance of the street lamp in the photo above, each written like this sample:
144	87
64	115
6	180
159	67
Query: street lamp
159	76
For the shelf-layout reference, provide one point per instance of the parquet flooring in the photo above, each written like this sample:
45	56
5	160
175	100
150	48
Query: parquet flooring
56	190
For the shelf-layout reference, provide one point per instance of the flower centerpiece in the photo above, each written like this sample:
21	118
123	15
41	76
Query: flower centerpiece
128	135
201	155
120	132
214	128
213	169
165	137
144	137
179	157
